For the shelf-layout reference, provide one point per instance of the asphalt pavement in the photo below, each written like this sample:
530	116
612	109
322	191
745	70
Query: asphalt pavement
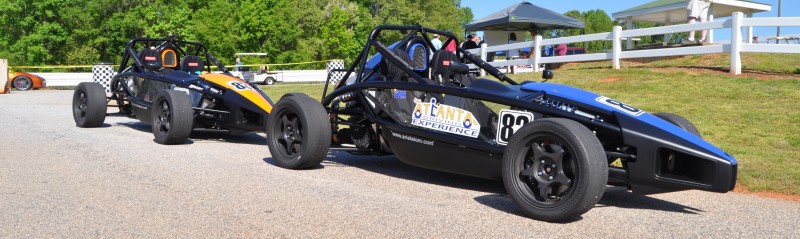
61	181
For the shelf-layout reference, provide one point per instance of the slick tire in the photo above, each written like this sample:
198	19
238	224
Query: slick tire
172	117
679	121
554	169
298	132
89	105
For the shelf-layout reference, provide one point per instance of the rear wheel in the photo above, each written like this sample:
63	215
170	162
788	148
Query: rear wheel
172	117
298	132
23	83
269	80
554	169
679	121
89	105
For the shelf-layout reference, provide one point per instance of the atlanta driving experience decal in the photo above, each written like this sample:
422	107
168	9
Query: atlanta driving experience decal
445	118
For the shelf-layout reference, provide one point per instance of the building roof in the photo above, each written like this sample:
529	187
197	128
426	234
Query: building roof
671	11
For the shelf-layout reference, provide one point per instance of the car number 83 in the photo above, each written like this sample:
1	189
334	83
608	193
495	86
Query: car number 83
510	122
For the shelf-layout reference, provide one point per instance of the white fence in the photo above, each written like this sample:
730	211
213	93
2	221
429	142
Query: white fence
735	48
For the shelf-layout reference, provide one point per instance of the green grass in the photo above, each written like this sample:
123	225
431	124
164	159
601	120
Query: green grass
756	121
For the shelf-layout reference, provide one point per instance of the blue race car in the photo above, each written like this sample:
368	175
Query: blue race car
555	147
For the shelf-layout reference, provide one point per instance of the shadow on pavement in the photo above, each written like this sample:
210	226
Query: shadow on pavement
200	135
393	167
613	197
620	197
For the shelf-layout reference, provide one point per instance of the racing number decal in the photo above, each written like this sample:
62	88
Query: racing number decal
510	122
238	85
619	105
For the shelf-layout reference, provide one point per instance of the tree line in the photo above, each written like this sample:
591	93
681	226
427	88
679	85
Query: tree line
69	32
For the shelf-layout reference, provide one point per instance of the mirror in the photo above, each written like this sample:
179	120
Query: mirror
547	74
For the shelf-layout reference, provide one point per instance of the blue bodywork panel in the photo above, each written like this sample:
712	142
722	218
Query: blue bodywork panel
612	106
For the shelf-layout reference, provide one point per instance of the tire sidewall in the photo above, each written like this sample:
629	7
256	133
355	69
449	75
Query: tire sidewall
585	190
180	120
95	105
312	145
679	121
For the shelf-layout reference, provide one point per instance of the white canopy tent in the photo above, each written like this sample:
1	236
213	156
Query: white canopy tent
674	11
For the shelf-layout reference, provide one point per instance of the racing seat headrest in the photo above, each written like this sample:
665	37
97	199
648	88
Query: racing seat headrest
418	52
151	59
447	66
192	64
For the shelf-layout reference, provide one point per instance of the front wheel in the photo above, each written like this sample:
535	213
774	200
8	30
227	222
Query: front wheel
298	132
554	169
679	121
172	117
89	105
23	83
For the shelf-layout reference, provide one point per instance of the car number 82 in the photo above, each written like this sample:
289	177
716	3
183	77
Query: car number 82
510	122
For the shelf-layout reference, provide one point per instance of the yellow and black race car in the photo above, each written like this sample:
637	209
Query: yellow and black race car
168	83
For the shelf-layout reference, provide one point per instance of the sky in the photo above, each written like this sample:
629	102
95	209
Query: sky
482	8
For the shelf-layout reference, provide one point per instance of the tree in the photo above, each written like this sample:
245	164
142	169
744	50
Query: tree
69	32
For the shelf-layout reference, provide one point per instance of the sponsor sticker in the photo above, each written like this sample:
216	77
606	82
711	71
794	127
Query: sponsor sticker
620	106
412	139
446	63
193	64
149	58
399	94
445	118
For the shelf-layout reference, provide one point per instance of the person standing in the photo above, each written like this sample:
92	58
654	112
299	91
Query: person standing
697	10
437	44
238	64
469	43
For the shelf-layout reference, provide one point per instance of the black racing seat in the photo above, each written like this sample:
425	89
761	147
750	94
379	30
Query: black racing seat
192	64
151	60
448	69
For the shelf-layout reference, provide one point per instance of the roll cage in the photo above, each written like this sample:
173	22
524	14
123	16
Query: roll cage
359	66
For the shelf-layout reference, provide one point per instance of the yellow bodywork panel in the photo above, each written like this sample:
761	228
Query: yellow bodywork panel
239	86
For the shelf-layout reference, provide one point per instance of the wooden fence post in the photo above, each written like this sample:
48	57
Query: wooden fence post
537	53
483	57
736	43
617	49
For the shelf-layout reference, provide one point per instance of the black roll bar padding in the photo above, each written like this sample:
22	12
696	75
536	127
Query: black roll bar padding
489	68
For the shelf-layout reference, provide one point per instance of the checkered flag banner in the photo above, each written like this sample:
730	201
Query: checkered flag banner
335	71
102	73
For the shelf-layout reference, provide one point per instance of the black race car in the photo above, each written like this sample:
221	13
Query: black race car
555	147
168	83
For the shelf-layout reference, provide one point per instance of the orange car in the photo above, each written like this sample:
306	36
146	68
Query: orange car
25	81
